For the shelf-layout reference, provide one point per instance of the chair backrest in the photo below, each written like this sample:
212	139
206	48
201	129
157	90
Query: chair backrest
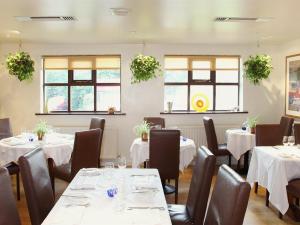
5	128
98	123
86	150
229	199
8	208
164	152
37	185
211	137
286	125
297	133
154	121
203	172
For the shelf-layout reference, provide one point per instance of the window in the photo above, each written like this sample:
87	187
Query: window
82	83
216	77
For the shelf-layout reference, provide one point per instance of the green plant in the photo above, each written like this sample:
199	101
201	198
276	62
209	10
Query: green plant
257	68
144	127
252	121
20	65
144	68
41	127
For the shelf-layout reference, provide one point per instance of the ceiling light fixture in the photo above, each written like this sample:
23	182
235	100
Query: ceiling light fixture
44	18
119	11
242	19
12	33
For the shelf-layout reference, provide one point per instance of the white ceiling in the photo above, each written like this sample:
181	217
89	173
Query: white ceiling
151	21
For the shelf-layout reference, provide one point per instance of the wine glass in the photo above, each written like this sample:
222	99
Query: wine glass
285	141
291	140
108	169
121	162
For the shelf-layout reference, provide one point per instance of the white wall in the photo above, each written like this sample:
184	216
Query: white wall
20	101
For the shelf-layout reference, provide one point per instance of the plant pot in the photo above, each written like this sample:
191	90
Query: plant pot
252	130
40	136
144	136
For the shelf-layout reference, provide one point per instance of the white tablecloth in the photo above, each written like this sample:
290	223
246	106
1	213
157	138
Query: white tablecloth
57	146
239	142
101	209
273	168
139	151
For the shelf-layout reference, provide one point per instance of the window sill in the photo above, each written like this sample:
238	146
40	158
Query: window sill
80	113
207	112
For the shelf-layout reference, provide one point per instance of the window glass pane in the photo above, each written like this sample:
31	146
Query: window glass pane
227	76
227	63
82	98
207	90
176	94
201	64
56	76
176	76
108	76
108	96
82	74
201	74
56	98
226	97
176	63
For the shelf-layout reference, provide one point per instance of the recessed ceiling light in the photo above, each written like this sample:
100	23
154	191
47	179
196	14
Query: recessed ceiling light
119	11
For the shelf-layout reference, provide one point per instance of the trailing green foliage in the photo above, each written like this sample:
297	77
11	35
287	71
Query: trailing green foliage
41	127
144	127
252	121
257	68
144	68
20	65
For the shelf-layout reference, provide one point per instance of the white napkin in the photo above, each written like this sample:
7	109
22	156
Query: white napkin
14	141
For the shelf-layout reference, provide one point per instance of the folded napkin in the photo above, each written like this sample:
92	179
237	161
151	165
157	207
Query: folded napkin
90	172
144	183
14	141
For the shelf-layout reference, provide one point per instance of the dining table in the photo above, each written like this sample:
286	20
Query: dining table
139	152
112	196
273	167
55	145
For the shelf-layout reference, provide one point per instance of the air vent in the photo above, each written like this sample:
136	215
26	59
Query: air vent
45	18
235	19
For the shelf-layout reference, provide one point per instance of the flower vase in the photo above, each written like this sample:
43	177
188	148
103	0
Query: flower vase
252	130
144	136
40	136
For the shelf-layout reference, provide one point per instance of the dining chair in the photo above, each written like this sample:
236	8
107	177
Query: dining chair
8	208
85	155
12	167
37	185
212	141
194	210
229	199
297	133
164	147
155	121
98	123
293	190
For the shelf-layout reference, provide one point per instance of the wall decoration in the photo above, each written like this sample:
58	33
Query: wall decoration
200	102
292	82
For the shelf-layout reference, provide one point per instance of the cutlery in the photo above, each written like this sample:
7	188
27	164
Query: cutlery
145	207
143	175
77	204
74	196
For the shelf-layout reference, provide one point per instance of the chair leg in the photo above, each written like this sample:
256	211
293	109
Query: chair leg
280	215
267	198
297	201
18	186
255	187
176	190
145	164
238	165
229	160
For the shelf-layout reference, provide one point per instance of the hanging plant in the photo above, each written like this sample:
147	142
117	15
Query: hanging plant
20	65
258	68
144	68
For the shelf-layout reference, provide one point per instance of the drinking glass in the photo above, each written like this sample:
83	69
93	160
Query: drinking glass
285	140
291	140
121	162
108	170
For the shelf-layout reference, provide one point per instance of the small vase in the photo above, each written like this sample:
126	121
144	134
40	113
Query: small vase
144	136
170	105
40	136
252	130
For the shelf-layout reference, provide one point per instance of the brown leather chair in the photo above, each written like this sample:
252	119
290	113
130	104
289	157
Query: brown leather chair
85	155
212	141
229	199
12	167
164	155
8	208
98	123
37	185
194	210
297	133
272	134
154	121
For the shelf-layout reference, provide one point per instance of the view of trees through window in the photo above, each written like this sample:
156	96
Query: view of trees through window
82	83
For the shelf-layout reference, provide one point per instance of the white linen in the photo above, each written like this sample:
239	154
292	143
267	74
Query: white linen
239	142
57	146
139	152
94	207
273	168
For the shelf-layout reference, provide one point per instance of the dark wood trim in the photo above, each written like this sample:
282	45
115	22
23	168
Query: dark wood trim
80	113
207	112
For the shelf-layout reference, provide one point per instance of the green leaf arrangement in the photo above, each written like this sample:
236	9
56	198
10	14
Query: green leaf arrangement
144	68
257	68
20	65
144	127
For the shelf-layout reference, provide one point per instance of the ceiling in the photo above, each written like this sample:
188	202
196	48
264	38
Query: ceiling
151	21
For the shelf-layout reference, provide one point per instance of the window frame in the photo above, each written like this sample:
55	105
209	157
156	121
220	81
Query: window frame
212	81
71	82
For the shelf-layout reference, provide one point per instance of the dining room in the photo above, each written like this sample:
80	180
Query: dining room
149	112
